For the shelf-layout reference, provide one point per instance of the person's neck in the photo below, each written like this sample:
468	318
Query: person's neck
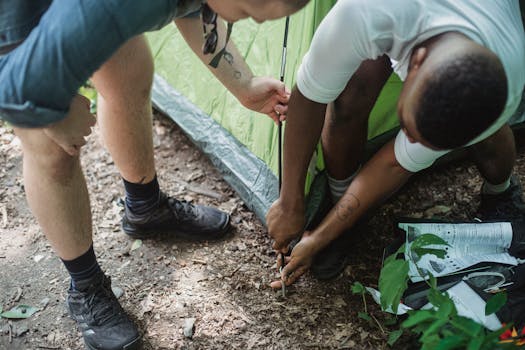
444	45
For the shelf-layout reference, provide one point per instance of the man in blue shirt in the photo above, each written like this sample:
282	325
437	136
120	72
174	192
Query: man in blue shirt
48	49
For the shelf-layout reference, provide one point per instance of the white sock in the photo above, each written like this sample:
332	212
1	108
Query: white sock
489	188
338	187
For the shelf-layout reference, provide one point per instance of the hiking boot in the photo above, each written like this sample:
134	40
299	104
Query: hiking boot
100	318
332	260
177	218
506	206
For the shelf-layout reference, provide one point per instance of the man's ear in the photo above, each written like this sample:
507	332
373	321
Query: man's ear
418	57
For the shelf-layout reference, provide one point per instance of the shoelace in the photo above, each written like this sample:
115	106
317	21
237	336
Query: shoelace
182	209
105	310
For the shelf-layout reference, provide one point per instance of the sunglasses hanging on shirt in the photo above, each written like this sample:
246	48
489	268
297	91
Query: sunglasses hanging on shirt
211	37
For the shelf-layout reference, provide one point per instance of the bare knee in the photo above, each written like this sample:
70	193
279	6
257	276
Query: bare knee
43	155
360	94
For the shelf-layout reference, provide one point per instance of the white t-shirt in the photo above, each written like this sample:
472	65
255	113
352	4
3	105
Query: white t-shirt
357	30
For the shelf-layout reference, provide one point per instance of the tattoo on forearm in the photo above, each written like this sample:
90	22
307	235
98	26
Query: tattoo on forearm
228	57
347	206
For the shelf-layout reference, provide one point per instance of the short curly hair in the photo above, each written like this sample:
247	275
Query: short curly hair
462	98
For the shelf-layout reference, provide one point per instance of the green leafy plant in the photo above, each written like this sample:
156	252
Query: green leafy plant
393	336
89	92
440	327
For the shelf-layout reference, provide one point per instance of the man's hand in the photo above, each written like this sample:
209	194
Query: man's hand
298	262
268	96
70	132
284	224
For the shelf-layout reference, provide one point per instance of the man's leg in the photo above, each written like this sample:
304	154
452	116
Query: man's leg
57	194
344	138
501	194
345	129
125	118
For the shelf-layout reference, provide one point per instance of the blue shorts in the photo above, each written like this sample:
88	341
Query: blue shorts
61	43
17	19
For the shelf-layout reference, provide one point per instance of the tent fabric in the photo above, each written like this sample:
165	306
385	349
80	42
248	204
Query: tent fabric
251	178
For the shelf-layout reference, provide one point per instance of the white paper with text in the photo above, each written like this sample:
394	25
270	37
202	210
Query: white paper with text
469	244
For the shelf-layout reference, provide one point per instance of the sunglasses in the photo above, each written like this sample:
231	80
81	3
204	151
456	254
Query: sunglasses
211	38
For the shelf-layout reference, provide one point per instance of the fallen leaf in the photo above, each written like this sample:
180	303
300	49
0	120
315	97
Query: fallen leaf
146	305
20	311
189	327
20	330
44	302
117	291
438	209
339	302
136	245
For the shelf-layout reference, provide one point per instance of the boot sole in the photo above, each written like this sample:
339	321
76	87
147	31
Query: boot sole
133	345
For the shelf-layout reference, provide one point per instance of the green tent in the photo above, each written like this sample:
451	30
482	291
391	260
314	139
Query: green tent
241	143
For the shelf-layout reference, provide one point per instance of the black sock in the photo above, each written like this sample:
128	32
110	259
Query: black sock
83	267
141	198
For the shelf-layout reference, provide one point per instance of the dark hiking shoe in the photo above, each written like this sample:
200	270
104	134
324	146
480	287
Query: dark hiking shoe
507	206
177	218
100	318
332	260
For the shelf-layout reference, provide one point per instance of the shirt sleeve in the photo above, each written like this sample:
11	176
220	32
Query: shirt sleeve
73	39
414	157
339	46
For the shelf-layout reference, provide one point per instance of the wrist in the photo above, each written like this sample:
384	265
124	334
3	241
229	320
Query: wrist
318	242
244	89
293	203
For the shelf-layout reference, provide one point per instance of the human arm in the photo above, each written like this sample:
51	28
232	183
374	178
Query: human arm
261	94
285	219
378	179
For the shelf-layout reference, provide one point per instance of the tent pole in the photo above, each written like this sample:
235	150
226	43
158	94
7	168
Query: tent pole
280	131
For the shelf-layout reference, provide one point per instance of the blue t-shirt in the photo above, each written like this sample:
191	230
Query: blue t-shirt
65	46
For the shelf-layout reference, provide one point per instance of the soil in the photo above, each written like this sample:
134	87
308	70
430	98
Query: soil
223	286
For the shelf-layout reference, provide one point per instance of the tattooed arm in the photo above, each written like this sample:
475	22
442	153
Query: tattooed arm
378	179
261	94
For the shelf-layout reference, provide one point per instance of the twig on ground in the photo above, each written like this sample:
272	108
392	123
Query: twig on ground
10	329
199	261
378	324
3	210
48	347
18	295
234	271
200	190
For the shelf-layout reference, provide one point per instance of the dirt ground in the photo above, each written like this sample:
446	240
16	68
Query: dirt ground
223	286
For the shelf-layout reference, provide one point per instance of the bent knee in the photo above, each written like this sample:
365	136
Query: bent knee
45	154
